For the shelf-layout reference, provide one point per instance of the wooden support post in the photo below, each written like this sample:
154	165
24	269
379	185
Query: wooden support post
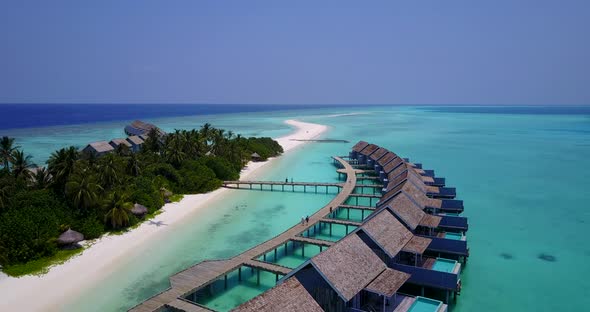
357	200
303	249
316	189
276	277
326	189
304	188
286	245
321	248
250	185
275	254
225	281
348	213
257	276
283	185
264	257
330	229
261	186
362	214
346	225
240	274
271	187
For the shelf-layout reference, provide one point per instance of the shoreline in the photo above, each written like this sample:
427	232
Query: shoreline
62	281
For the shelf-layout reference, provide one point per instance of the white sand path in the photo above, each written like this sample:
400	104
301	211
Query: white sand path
48	292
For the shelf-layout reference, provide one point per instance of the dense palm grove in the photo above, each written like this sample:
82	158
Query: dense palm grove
93	195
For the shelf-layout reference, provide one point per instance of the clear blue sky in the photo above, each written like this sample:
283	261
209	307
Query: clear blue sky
394	52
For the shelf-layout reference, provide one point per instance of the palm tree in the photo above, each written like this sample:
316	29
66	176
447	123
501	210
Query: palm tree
174	150
6	151
42	178
61	164
119	209
109	170
83	190
133	165
21	164
5	189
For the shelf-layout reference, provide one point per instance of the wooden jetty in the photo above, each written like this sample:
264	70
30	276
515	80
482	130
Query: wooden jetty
279	185
204	273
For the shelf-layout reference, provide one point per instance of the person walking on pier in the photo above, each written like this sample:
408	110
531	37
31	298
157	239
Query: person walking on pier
307	219
286	180
302	220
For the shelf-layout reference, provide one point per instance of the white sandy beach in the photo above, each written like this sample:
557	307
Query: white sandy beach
49	291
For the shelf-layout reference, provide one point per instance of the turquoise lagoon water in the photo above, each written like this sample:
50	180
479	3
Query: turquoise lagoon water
296	254
524	174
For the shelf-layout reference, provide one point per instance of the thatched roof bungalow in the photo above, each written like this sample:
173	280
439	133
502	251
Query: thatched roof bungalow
120	142
70	238
255	157
98	148
139	210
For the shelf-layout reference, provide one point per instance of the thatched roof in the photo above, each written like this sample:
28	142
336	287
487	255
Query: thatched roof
370	149
387	158
348	266
135	140
392	165
255	155
405	209
397	180
70	237
165	192
359	146
417	245
117	142
385	230
139	210
388	282
287	296
410	213
389	195
379	153
100	147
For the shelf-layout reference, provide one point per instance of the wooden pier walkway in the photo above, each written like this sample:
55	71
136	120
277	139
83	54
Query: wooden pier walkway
206	272
270	185
341	222
357	207
312	241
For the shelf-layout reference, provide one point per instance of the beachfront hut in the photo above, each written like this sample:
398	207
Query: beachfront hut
255	157
289	295
98	148
70	239
120	143
136	143
139	210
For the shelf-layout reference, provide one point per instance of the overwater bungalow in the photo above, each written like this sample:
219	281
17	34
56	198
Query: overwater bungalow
356	149
350	277
383	161
136	143
139	127
401	250
413	177
373	158
98	148
447	233
287	296
363	156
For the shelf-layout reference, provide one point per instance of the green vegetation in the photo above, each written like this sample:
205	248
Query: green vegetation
41	266
94	195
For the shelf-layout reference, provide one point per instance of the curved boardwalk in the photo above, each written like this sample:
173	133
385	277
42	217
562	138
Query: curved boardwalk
206	272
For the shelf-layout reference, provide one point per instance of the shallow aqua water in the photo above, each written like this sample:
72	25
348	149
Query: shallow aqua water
525	176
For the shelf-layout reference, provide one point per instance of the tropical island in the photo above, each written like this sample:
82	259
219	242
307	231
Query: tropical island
83	194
